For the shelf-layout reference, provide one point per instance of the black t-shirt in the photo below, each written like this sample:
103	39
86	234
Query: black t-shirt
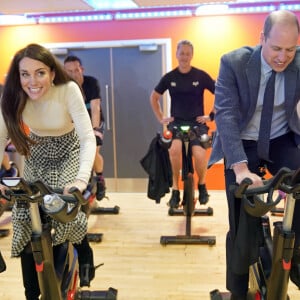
91	90
186	91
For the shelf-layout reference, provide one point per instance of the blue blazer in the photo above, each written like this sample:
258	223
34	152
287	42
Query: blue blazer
236	97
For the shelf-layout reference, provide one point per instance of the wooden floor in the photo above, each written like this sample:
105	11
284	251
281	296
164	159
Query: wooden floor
135	263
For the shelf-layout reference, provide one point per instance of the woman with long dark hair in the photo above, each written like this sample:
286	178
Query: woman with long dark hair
59	149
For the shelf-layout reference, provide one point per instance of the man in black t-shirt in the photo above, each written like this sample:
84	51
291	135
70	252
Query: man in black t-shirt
92	98
186	86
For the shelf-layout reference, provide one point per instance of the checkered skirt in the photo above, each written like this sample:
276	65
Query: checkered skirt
54	160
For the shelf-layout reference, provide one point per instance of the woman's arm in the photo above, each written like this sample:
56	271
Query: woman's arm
83	127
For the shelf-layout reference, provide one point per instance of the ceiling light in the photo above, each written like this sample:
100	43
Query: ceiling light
111	4
211	9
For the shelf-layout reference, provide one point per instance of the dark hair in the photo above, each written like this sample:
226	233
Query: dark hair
14	98
279	16
72	58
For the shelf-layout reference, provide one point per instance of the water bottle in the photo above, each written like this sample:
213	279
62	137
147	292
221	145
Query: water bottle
166	139
53	203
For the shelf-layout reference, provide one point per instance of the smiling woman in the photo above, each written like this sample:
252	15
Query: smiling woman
59	149
36	77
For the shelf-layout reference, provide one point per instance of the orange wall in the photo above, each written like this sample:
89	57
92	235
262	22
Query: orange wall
211	35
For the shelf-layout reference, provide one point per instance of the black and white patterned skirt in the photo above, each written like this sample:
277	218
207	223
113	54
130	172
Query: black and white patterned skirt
54	160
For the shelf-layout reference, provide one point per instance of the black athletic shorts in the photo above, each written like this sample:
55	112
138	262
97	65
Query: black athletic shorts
198	128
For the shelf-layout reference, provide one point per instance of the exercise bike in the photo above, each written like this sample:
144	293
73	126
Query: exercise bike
10	150
57	267
269	276
99	210
186	134
4	205
92	209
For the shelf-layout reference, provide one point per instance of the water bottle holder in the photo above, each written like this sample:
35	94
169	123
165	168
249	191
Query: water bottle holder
64	214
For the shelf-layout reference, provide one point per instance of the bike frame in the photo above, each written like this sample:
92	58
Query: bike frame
58	279
57	267
273	284
269	276
186	134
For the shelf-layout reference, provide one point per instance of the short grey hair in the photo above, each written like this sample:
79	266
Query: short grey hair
185	42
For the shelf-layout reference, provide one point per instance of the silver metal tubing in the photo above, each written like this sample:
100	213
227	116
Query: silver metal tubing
35	218
107	120
289	212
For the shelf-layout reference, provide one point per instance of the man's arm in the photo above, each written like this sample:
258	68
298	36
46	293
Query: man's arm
95	112
155	104
241	171
228	118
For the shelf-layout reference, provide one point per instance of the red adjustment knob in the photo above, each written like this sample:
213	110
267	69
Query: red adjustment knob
167	134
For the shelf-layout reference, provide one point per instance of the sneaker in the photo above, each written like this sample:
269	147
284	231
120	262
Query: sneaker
100	193
237	297
175	199
203	195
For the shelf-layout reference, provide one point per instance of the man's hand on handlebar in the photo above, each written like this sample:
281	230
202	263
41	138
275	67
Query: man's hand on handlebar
166	120
241	172
203	119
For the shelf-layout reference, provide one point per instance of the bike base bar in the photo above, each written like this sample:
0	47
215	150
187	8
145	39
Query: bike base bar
188	239
197	212
105	210
110	294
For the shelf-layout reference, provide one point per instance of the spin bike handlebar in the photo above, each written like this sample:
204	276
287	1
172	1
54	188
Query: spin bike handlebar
62	208
284	180
189	133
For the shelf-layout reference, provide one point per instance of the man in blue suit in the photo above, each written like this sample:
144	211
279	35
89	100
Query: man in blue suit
239	98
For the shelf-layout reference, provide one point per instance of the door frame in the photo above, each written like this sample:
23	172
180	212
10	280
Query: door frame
136	184
166	50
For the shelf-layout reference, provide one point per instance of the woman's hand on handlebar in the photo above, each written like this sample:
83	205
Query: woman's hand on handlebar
3	188
241	172
78	183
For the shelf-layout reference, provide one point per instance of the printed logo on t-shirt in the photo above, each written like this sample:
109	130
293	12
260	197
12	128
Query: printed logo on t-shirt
173	83
195	83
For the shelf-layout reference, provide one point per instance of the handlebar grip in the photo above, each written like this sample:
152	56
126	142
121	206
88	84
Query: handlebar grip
242	187
272	183
58	190
78	195
7	195
68	198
